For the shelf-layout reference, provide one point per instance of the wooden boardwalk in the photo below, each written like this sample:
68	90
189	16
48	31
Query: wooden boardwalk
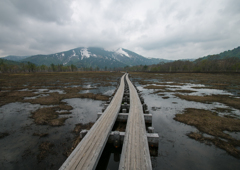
89	150
135	152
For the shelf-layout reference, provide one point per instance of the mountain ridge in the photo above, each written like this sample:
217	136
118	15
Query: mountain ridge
223	55
93	57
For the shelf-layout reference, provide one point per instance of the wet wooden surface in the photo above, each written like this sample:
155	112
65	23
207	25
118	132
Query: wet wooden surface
135	152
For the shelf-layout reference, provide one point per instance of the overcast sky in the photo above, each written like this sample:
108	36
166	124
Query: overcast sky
170	29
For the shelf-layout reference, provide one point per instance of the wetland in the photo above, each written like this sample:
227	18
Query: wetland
196	116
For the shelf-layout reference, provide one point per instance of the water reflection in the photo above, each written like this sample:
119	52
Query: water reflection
176	150
103	90
110	158
19	150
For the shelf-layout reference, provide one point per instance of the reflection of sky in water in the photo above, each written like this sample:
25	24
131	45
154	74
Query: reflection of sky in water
235	135
15	119
34	97
103	90
198	92
83	110
176	150
38	91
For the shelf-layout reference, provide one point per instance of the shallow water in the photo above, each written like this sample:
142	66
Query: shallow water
176	151
103	90
19	150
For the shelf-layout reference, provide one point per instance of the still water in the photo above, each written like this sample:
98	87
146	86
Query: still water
176	151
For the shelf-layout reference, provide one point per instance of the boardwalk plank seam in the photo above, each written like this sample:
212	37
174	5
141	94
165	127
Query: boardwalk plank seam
135	146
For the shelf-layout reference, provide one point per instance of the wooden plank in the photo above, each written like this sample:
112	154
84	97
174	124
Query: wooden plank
89	150
135	152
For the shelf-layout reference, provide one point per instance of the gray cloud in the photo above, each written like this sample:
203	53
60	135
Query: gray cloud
166	29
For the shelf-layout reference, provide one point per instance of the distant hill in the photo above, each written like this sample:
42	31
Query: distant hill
15	58
224	55
94	57
8	62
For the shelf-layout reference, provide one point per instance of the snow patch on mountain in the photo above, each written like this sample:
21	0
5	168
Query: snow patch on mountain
121	52
74	53
85	53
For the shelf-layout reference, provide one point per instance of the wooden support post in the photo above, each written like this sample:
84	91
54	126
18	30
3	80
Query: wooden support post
116	142
153	138
83	133
150	130
105	106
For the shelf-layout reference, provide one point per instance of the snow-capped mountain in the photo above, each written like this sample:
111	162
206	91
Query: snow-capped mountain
94	57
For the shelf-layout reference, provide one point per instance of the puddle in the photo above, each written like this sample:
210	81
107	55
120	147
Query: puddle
39	91
34	97
207	135
103	90
198	92
25	90
58	91
84	110
19	150
235	135
176	150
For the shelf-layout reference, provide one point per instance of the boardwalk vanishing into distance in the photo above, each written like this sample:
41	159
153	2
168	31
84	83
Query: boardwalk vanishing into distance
88	151
135	152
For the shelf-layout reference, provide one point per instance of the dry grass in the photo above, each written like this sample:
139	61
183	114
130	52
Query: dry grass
228	100
11	83
227	146
78	128
217	80
184	91
45	149
40	134
57	122
14	96
205	121
228	110
49	116
56	98
212	124
155	87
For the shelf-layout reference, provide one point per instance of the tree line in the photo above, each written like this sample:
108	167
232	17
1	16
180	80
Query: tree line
29	67
208	65
7	66
212	65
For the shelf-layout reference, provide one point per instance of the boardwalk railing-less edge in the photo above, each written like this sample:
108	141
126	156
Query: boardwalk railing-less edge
89	150
135	152
135	140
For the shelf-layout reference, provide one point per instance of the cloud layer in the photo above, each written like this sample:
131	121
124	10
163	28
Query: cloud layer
170	29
